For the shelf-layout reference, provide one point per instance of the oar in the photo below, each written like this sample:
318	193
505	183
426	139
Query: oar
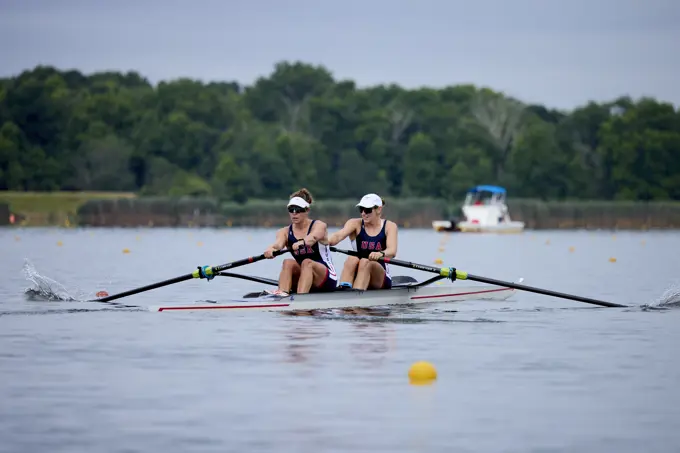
453	274
266	281
202	272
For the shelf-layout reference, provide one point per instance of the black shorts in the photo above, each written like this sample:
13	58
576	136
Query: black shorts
328	284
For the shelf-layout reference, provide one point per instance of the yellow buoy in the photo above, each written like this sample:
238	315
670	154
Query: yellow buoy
438	261
199	243
422	373
126	250
612	260
59	243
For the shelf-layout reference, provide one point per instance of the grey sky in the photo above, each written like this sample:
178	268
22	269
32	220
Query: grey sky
557	53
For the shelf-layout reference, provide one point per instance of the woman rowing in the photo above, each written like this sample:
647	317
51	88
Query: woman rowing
372	238
311	268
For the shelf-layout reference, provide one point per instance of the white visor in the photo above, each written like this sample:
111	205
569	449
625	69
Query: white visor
297	201
370	201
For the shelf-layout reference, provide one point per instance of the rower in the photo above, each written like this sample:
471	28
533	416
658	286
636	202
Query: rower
372	237
311	268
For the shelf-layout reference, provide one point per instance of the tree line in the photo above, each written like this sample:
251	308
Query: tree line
300	127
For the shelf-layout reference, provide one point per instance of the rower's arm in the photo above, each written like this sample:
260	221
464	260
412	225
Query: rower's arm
392	233
318	232
339	236
280	241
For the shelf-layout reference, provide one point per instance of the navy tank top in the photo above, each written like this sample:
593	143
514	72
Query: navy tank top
366	244
321	253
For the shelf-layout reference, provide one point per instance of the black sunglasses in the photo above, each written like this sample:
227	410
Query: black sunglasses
296	209
366	210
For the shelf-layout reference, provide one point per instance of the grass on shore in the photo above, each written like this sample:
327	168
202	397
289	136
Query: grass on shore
43	208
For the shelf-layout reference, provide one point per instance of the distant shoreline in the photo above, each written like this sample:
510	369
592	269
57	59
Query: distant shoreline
110	209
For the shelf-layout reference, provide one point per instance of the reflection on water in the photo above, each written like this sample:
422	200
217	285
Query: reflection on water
303	341
365	342
372	342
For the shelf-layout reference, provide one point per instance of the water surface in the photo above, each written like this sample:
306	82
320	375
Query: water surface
533	373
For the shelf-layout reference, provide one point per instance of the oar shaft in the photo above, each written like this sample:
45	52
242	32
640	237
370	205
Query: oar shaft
461	275
244	261
145	288
546	292
266	281
396	262
214	270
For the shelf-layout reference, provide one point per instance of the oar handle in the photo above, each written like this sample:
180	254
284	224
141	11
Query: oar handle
453	274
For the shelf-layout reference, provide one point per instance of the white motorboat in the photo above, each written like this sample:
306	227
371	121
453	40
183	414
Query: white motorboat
484	211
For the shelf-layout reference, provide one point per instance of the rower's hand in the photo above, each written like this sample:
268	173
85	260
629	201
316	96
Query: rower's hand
298	244
375	256
269	253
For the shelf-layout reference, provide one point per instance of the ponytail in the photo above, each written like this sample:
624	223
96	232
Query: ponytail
304	194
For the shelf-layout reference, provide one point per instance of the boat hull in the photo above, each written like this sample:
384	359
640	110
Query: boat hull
404	295
504	227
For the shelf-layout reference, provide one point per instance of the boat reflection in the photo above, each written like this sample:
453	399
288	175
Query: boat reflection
367	341
373	342
303	341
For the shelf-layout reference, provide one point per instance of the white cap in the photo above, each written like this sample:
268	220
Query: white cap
297	201
370	200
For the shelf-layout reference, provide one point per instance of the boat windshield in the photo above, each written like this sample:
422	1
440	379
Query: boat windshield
484	198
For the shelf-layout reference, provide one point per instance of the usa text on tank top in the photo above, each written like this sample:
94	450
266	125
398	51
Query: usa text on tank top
367	244
307	252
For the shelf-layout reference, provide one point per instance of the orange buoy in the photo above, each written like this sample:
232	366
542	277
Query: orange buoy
102	294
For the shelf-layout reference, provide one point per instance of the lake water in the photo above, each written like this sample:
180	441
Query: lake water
529	374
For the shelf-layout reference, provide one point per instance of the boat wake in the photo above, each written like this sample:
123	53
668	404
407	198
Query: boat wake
44	288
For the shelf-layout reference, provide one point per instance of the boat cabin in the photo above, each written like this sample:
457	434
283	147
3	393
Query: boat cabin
485	195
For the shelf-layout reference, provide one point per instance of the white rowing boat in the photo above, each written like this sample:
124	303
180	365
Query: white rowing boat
411	293
406	290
